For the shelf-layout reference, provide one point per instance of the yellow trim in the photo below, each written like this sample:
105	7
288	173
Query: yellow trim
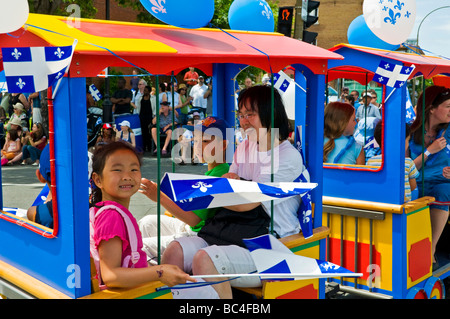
130	293
30	284
163	26
58	25
354	203
26	221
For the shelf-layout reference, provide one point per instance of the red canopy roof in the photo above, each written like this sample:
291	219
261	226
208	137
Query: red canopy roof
177	48
427	66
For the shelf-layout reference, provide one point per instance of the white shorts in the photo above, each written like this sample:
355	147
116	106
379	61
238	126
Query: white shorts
227	260
171	228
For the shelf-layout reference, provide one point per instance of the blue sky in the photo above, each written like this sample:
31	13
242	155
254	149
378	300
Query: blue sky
434	34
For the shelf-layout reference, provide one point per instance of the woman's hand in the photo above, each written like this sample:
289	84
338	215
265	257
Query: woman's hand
231	176
437	145
171	275
149	189
446	172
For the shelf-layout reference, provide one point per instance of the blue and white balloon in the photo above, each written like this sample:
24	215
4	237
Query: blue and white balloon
358	33
251	15
390	20
13	16
183	14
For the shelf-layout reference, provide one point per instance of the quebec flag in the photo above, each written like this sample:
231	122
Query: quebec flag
3	86
281	82
33	69
391	74
410	113
305	210
273	257
96	95
192	192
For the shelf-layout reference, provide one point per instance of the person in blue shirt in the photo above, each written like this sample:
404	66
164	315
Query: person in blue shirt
431	155
339	146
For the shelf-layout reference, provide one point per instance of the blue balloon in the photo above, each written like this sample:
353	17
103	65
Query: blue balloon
182	14
251	15
358	33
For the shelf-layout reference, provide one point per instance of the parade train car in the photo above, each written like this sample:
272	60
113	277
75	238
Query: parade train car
372	230
55	263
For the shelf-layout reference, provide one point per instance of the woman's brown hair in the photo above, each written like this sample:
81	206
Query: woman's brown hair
434	96
337	115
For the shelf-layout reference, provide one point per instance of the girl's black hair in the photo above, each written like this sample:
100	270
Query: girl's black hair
101	154
259	98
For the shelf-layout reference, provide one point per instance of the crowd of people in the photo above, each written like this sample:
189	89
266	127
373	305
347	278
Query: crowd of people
22	133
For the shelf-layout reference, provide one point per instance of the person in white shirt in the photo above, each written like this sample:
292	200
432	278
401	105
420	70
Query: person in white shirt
197	93
221	250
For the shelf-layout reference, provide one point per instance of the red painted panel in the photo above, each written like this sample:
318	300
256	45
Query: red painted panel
349	256
307	292
419	259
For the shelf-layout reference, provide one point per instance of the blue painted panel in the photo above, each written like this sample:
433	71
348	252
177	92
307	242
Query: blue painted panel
387	185
56	261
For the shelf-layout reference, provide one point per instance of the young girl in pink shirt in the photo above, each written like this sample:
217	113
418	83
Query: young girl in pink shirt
114	231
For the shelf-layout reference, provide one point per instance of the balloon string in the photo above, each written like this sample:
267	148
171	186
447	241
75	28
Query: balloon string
424	50
268	57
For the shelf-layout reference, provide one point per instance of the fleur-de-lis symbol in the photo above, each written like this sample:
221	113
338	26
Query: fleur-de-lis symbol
20	83
392	17
306	216
16	54
328	266
59	53
407	14
58	76
158	6
266	12
399	5
203	186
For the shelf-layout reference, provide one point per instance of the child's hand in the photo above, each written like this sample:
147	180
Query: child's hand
149	189
171	275
231	176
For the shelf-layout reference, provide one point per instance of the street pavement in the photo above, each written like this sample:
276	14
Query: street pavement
20	185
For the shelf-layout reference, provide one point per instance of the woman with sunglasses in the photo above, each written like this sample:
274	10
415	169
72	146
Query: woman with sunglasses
433	162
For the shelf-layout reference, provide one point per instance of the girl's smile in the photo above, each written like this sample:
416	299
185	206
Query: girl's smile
121	177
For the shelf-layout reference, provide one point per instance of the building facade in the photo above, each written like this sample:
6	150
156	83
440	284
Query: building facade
334	18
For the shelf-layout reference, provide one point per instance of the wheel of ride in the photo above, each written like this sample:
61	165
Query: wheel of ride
434	288
416	293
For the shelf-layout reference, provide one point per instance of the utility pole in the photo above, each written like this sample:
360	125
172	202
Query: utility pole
298	26
107	105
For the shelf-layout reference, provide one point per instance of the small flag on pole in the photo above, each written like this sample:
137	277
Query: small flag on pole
3	85
410	113
305	210
391	74
96	95
281	81
33	69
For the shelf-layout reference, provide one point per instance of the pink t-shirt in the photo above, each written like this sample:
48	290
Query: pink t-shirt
110	224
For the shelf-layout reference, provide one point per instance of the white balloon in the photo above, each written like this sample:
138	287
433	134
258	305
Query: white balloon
13	15
390	20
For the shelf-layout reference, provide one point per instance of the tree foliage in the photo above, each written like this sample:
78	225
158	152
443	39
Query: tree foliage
63	8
